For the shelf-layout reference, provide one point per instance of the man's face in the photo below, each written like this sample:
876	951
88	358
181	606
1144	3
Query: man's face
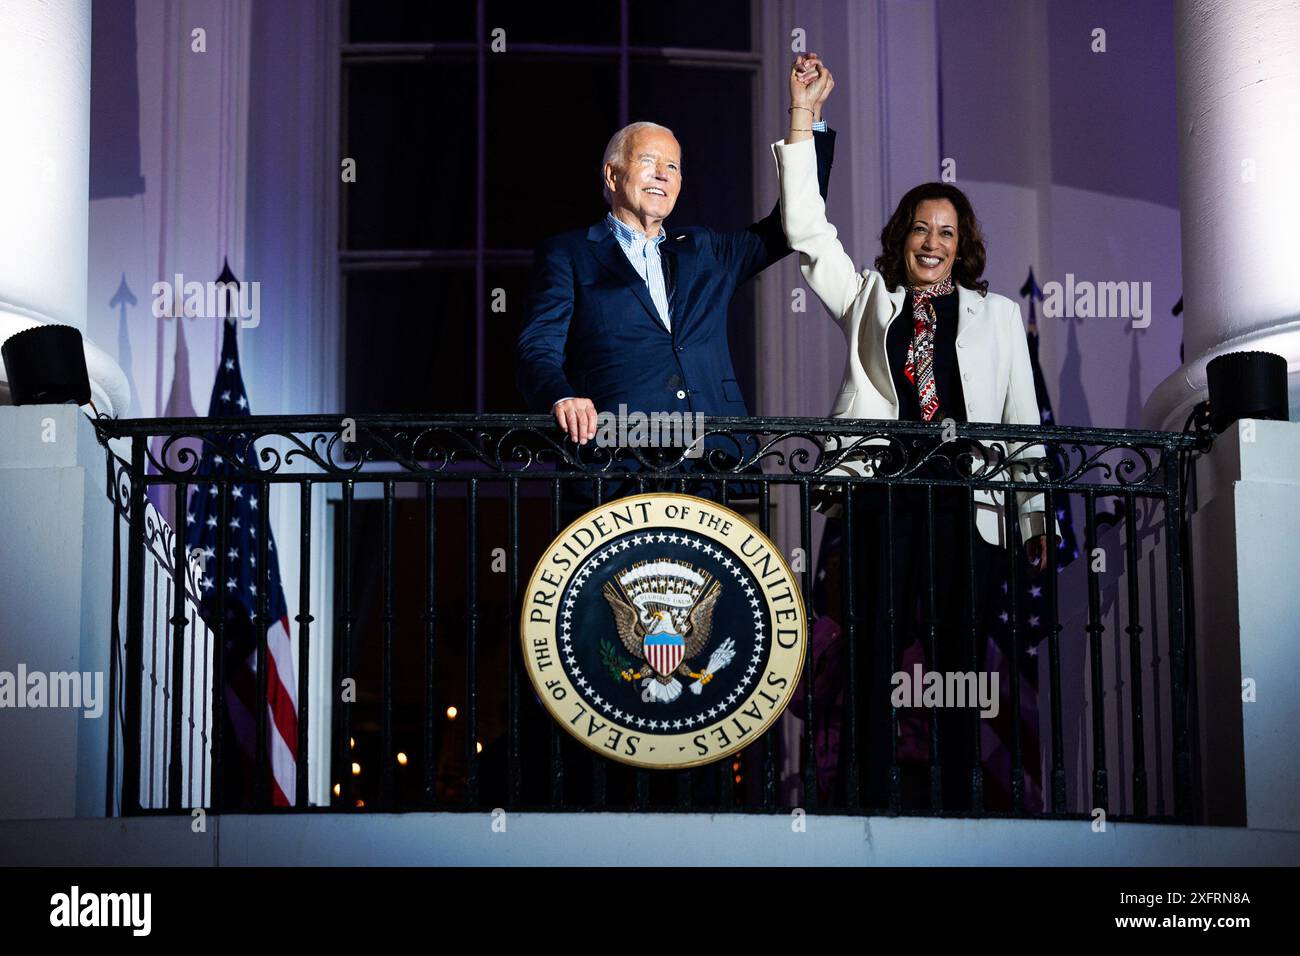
650	178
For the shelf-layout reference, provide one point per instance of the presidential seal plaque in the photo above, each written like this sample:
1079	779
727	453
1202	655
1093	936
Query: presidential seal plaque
663	631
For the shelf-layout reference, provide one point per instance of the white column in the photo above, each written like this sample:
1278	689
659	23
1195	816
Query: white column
45	176
1238	138
1246	537
55	613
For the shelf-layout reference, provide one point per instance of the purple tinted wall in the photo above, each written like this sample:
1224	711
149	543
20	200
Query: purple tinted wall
1111	119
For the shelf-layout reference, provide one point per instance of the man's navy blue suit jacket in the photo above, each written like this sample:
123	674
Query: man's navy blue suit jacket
593	331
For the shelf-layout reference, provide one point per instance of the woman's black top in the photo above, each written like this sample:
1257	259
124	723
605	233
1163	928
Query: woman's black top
952	400
947	375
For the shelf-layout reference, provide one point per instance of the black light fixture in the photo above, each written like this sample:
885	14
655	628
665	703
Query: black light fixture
1246	385
46	365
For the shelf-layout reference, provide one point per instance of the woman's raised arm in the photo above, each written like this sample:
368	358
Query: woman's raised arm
825	265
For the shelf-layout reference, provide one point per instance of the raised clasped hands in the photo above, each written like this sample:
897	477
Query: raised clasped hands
810	84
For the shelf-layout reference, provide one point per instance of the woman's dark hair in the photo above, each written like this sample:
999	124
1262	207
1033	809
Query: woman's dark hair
970	242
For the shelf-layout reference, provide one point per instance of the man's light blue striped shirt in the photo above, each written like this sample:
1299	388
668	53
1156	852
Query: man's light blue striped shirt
643	253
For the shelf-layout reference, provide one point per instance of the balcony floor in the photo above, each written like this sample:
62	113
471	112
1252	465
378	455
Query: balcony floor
620	839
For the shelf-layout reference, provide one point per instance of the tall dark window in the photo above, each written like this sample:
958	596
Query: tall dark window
467	156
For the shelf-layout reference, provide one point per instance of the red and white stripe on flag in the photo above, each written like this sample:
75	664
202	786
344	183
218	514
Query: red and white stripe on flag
282	711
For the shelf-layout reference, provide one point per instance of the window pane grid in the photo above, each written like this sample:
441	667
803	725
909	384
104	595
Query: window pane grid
456	241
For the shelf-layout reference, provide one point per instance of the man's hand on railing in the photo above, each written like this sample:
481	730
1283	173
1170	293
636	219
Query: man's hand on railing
577	416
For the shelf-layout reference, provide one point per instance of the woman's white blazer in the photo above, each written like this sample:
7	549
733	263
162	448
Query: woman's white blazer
992	352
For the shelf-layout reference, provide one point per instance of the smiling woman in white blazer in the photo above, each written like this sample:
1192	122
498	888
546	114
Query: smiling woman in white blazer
992	352
927	342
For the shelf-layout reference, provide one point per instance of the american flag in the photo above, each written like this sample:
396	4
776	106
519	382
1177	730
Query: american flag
1031	624
239	583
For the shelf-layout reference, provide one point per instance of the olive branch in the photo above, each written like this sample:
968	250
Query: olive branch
614	662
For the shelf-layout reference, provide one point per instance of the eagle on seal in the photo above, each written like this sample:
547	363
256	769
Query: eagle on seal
652	638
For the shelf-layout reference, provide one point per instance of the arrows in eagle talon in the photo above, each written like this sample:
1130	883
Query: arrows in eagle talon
720	658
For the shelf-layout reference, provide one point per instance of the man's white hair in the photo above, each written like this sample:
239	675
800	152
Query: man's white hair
616	151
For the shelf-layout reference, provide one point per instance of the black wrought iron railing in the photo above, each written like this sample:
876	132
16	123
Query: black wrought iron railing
407	541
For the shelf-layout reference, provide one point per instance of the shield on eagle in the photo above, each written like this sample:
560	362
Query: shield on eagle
664	651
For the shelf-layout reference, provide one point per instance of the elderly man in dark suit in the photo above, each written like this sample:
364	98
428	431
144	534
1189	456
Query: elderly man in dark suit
626	313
